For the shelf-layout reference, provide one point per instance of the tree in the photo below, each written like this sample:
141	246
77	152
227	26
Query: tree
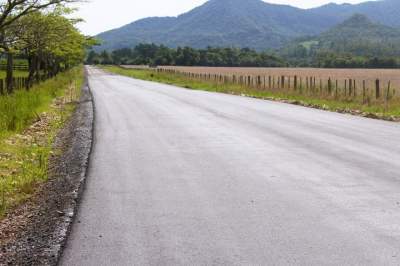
11	12
92	58
105	58
51	43
151	54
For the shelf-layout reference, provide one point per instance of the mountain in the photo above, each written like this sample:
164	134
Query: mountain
359	30
386	12
243	23
356	37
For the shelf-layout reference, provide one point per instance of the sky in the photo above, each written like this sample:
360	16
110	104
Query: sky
103	15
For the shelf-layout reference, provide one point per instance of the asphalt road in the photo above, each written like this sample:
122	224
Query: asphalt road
182	177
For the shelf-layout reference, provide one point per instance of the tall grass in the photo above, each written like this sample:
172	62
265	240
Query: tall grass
24	156
22	107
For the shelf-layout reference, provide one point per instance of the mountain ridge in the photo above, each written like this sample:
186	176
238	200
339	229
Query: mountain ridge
240	23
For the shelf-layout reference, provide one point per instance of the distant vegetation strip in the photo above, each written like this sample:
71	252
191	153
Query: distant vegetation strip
382	103
297	54
152	54
29	122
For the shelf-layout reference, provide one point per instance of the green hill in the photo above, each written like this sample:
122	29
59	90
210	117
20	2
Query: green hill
357	36
244	23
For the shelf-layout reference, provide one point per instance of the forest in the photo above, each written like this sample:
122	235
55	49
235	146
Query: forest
41	34
152	54
291	56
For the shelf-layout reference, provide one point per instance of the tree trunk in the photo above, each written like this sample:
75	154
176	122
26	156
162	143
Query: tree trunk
9	73
37	69
31	75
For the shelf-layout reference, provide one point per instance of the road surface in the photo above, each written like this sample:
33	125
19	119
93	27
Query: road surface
182	177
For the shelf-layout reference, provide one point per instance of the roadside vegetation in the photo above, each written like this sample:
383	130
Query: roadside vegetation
29	122
41	52
366	107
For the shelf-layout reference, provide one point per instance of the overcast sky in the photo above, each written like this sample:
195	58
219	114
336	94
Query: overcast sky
102	15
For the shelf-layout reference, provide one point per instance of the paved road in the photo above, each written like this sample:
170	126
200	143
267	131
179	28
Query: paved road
181	177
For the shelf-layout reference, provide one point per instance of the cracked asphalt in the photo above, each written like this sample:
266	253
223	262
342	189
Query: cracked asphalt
183	177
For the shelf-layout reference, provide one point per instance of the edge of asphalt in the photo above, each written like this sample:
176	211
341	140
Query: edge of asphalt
40	228
80	157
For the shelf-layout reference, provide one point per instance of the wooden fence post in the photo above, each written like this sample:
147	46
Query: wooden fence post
350	87
377	89
336	89
387	97
329	86
363	92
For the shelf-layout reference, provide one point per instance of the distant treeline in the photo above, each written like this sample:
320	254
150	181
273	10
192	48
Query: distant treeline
152	54
299	56
333	60
294	56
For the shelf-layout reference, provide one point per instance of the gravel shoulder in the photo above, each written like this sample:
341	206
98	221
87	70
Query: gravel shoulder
35	233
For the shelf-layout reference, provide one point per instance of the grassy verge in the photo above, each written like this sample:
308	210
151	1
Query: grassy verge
372	109
29	122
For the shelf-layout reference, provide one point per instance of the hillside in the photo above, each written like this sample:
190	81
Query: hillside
386	12
243	23
240	23
358	36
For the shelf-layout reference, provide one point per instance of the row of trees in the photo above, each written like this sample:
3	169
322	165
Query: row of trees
40	32
152	54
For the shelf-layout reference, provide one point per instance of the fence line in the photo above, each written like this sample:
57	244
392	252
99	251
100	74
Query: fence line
15	67
350	90
18	83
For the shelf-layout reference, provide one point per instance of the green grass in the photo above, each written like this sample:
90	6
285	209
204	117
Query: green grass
327	103
17	74
24	151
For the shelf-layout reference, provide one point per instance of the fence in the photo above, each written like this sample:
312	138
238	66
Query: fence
15	67
19	83
351	90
